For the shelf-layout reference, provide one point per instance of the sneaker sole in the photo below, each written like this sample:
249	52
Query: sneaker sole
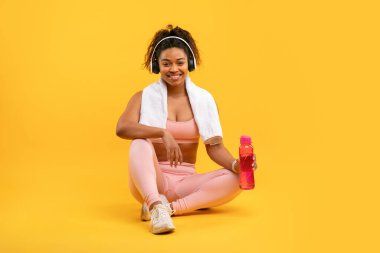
162	230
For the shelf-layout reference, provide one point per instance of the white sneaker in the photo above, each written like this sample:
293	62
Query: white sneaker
145	214
160	219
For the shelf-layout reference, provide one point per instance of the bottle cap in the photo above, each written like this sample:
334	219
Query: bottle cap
244	139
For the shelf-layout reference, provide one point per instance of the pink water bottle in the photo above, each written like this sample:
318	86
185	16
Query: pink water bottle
247	179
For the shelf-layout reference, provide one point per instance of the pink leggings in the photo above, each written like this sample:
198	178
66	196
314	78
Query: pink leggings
182	186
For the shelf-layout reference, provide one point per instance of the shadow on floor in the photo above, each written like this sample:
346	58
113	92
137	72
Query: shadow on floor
130	212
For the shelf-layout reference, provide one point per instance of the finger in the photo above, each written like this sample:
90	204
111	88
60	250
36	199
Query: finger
176	158
171	157
168	154
180	156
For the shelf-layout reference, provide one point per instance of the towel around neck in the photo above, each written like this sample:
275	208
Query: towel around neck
154	109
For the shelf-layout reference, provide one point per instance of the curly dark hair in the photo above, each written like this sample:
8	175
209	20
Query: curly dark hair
172	42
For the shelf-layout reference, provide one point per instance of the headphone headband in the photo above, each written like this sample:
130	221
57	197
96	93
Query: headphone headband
176	37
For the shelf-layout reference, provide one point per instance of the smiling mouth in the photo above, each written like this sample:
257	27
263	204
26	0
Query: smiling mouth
174	77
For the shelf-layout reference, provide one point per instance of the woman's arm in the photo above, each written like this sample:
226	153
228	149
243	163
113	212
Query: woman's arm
128	126
220	155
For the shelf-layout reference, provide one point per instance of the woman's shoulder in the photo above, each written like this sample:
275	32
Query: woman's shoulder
137	97
138	94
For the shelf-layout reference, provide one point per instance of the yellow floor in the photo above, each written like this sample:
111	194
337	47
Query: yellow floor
61	203
72	196
84	206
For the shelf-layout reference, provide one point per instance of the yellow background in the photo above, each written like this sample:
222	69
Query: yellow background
300	77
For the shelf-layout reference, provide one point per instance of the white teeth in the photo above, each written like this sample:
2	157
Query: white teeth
174	77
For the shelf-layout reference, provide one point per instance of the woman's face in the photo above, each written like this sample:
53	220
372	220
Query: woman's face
173	66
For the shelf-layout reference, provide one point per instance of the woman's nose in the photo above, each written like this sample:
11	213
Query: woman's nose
173	68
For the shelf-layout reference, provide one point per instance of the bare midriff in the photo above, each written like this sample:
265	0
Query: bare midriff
189	152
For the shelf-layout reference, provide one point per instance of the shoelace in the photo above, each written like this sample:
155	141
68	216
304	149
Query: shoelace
159	212
168	208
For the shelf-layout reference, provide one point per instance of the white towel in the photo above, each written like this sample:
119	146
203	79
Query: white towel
154	109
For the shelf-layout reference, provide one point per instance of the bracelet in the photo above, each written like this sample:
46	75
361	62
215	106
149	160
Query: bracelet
233	165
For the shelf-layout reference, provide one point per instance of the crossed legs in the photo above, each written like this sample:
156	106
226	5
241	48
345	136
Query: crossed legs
192	192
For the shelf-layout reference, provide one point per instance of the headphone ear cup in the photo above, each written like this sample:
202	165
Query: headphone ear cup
155	67
191	66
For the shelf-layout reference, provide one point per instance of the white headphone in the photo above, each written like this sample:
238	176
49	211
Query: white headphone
151	59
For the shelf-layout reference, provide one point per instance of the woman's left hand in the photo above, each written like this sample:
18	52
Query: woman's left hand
254	164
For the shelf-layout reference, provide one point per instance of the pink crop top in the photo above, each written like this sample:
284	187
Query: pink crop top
182	131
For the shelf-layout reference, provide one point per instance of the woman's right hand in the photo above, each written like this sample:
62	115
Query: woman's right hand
174	153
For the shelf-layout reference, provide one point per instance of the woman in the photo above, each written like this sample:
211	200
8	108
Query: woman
162	159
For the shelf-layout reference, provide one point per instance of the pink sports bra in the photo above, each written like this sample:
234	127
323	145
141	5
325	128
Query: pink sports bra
182	131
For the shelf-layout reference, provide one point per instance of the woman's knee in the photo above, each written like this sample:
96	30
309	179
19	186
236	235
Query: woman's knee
140	146
230	186
232	180
140	142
